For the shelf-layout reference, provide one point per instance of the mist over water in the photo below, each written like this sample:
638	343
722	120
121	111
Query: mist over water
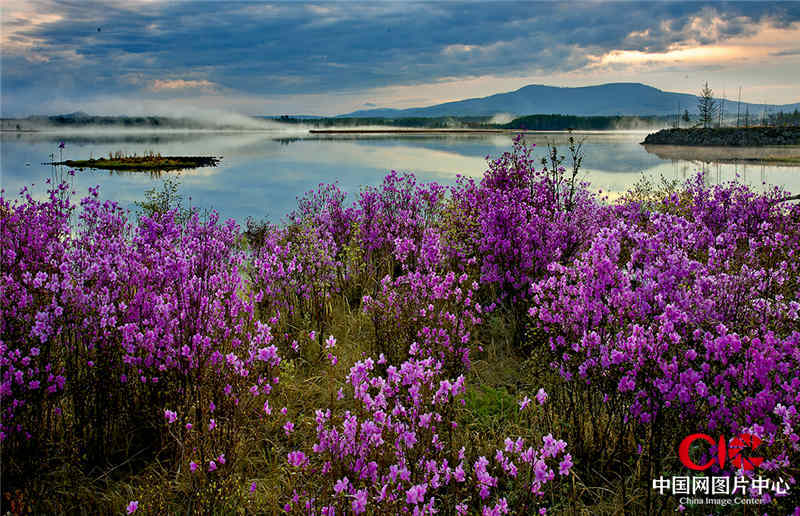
111	116
264	169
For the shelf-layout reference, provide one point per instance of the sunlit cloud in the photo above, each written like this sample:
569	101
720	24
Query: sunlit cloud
181	84
684	56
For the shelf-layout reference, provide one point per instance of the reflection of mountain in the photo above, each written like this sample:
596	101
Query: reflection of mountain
784	155
612	152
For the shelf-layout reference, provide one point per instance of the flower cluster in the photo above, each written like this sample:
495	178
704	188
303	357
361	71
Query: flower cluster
688	314
395	453
117	322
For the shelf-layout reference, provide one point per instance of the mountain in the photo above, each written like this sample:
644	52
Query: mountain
606	99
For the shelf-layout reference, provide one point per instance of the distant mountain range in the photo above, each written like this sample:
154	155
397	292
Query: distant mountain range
606	99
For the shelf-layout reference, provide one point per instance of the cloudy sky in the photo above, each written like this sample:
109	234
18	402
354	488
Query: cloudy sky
137	56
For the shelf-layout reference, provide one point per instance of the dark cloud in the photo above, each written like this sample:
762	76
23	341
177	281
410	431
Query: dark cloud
292	48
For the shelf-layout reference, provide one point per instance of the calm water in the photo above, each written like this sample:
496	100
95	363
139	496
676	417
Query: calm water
262	173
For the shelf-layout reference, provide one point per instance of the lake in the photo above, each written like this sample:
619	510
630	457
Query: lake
262	172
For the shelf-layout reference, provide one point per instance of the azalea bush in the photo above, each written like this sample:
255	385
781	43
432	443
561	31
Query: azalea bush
685	317
397	452
510	345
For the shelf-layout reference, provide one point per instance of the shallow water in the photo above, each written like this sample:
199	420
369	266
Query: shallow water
262	172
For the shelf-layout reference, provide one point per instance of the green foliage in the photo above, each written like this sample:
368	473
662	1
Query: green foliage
650	195
489	406
706	105
161	201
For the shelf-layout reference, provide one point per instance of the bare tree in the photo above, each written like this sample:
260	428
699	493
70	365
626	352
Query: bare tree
706	105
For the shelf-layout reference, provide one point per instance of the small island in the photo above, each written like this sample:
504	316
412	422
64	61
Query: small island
154	162
726	136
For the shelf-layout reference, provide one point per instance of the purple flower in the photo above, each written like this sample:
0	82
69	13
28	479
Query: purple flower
565	465
360	501
341	485
416	494
297	459
133	505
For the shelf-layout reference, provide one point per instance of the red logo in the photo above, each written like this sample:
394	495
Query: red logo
725	451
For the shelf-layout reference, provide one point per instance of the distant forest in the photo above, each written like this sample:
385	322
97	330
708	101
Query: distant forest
531	122
471	122
781	119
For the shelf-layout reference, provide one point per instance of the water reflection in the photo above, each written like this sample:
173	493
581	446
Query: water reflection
788	155
261	173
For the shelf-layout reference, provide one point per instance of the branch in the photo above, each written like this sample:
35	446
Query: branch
790	198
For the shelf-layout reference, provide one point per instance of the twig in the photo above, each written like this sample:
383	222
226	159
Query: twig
790	198
123	463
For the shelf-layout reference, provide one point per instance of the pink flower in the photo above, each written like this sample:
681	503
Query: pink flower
341	485
416	494
133	505
524	403
565	465
170	416
298	459
360	501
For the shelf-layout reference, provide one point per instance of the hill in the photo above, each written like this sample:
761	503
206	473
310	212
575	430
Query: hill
613	99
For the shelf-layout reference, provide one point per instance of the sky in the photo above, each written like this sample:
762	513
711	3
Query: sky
328	58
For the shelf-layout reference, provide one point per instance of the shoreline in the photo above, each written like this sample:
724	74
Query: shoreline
759	136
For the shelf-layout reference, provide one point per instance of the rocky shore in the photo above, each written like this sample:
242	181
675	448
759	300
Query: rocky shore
726	136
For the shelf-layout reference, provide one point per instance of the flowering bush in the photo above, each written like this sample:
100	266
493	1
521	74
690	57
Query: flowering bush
146	357
689	318
395	452
114	323
425	314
